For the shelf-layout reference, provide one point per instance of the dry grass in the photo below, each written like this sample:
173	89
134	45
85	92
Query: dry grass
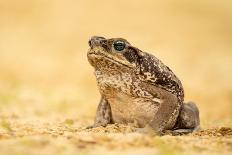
48	93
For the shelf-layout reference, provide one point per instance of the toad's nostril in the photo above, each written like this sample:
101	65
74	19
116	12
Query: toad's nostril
89	43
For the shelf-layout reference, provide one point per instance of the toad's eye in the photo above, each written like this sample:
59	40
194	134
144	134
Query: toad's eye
119	45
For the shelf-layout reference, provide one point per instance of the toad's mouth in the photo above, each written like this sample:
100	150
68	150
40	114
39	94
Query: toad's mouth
99	55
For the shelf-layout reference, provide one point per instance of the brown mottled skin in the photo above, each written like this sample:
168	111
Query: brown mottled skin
136	87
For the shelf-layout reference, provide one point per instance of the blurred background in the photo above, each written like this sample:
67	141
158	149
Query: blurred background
44	70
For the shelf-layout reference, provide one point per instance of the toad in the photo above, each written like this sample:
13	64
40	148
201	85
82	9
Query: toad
136	87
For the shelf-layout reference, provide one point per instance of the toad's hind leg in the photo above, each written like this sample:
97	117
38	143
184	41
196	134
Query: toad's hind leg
103	115
165	117
188	120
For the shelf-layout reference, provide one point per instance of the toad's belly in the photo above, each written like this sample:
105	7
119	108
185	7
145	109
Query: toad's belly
126	109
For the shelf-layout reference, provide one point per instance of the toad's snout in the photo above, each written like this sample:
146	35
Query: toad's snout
96	41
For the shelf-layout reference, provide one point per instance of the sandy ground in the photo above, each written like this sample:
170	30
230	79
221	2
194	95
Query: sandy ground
48	93
68	136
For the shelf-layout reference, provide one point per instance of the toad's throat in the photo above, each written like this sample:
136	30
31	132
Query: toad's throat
104	56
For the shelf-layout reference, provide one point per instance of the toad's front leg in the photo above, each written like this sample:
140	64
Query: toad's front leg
103	115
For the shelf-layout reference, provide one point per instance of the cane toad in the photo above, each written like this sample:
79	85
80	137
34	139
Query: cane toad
136	87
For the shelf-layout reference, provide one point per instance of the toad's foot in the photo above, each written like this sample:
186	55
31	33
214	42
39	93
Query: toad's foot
184	131
149	130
